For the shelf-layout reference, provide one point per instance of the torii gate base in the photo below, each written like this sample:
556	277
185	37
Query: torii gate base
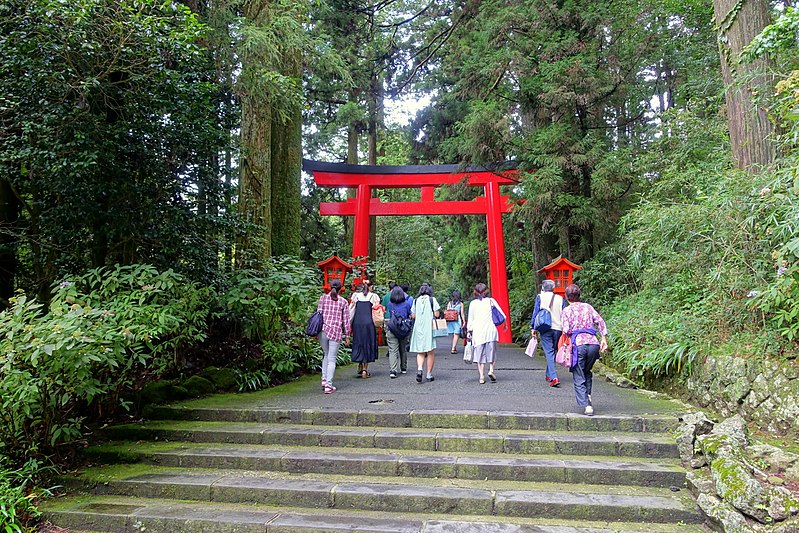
427	178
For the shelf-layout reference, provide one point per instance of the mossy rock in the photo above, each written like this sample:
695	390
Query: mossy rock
160	392
199	386
223	378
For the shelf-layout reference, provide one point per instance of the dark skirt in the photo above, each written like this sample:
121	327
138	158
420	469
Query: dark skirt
364	334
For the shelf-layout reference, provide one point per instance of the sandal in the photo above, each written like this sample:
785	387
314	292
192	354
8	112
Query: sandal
453	351
365	374
492	377
482	381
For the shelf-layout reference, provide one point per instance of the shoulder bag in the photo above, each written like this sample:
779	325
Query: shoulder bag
314	325
496	315
542	321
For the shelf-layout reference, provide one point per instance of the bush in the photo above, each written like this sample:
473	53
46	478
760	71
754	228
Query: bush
84	352
258	303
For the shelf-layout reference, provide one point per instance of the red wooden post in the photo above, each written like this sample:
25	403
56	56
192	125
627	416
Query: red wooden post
496	257
360	238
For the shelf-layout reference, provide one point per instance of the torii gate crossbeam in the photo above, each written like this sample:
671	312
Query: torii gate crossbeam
425	177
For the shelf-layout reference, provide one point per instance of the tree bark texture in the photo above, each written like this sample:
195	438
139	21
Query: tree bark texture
255	189
255	183
751	132
286	174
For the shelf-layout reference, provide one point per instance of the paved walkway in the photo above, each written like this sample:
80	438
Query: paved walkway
520	387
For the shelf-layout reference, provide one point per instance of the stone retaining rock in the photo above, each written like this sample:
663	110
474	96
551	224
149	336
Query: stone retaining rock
764	392
738	487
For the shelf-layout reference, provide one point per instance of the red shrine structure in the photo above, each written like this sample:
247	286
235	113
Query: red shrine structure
365	178
561	271
334	268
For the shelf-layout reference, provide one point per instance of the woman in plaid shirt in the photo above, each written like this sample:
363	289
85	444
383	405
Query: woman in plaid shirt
335	326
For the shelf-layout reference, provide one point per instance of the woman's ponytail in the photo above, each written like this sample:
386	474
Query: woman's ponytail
335	286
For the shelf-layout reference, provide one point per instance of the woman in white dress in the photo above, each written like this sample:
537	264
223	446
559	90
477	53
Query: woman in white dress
483	333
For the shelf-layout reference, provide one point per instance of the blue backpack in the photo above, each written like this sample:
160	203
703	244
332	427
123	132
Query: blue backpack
542	321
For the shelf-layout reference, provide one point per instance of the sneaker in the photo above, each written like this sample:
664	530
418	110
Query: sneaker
419	376
548	379
330	389
554	382
589	411
404	371
392	375
430	378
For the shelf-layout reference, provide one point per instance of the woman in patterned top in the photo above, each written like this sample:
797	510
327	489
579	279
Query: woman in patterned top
335	326
578	323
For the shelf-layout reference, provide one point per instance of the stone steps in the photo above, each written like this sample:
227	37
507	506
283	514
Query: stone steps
426	419
502	499
557	469
122	514
202	469
479	441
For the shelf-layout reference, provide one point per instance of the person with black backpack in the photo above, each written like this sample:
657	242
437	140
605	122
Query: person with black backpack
398	328
547	322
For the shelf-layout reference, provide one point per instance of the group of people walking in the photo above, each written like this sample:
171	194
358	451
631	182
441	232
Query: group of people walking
576	320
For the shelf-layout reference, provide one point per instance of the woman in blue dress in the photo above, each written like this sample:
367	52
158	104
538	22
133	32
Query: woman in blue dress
424	309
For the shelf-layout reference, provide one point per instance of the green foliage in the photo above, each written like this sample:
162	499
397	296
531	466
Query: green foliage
691	255
19	495
252	380
780	36
777	297
85	349
108	137
665	337
260	302
607	277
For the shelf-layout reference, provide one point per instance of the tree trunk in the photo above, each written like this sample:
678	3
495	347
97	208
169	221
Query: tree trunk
375	107
286	175
751	132
9	216
255	185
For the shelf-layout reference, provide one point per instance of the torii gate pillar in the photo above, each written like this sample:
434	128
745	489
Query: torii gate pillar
496	256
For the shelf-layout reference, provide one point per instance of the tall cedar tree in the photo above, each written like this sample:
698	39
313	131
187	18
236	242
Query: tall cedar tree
751	131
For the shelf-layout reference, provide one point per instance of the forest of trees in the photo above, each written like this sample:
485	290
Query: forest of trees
161	140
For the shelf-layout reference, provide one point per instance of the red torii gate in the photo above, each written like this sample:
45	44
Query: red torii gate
427	178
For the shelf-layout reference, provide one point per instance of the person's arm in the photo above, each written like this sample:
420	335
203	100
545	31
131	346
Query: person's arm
436	308
470	322
602	330
413	310
346	325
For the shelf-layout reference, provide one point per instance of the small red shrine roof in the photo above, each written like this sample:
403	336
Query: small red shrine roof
558	262
334	259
